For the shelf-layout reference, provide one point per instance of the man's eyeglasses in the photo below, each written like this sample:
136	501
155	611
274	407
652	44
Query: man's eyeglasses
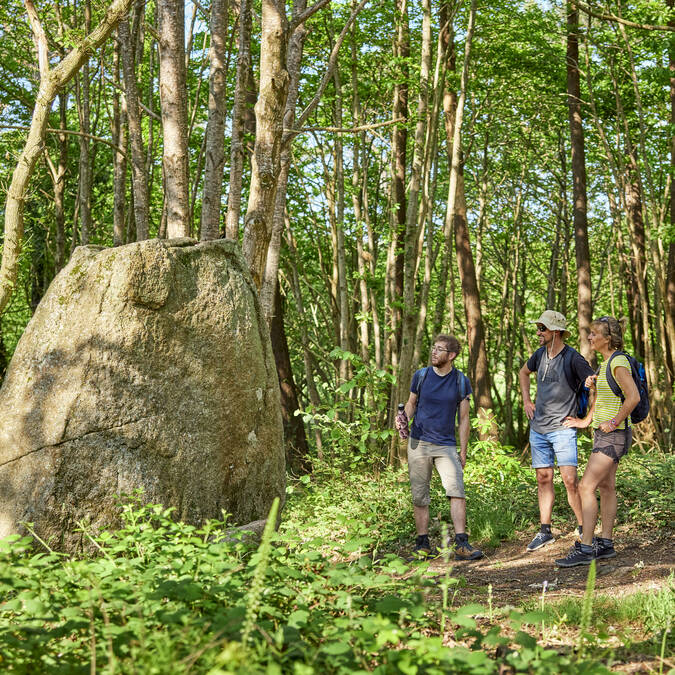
603	319
439	349
541	329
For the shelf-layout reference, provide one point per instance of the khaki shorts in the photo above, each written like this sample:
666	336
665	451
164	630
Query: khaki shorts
614	444
422	457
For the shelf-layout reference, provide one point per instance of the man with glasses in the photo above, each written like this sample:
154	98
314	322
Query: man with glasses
560	374
438	394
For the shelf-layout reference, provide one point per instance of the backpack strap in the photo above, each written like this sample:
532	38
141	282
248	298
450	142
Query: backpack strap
538	356
613	385
420	382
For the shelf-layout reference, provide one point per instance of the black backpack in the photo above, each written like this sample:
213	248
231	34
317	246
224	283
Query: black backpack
637	370
577	385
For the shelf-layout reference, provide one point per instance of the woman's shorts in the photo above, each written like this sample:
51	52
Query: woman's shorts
422	457
614	444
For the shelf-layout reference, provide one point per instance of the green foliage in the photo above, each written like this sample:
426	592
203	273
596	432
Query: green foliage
352	419
327	593
167	597
646	484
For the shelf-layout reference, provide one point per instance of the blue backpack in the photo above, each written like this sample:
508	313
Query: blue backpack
637	370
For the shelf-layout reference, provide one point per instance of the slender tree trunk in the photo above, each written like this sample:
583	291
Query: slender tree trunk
456	221
307	356
139	177
82	86
237	142
215	127
173	102
584	306
60	187
294	430
119	139
398	184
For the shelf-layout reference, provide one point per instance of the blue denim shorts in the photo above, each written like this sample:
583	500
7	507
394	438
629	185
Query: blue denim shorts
558	446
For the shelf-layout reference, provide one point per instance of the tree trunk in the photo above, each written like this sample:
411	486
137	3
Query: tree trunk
215	126
84	114
269	128
584	307
398	183
297	450
119	139
456	221
60	187
51	80
410	313
173	103
237	142
139	177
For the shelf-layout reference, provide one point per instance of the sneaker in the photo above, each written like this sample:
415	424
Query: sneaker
464	551
540	539
604	548
577	556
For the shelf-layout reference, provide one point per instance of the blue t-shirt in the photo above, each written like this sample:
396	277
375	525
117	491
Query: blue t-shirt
437	403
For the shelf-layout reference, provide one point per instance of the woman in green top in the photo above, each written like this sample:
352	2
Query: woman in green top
611	439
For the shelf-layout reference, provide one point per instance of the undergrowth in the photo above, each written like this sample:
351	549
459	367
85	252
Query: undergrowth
328	593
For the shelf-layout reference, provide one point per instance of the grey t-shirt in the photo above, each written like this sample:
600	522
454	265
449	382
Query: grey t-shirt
555	398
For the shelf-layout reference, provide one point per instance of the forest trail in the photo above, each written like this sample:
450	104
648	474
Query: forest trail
643	563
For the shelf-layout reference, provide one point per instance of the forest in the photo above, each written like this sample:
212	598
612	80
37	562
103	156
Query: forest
392	170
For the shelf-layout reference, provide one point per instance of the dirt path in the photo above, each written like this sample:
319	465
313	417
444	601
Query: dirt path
644	561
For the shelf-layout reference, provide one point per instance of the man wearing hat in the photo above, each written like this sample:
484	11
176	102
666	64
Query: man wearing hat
560	373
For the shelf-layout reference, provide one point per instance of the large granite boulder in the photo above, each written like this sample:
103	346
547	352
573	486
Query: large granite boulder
145	366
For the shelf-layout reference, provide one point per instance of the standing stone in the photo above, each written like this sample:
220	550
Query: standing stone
145	366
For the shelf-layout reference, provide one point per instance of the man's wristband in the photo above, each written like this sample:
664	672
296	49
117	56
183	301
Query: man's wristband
613	423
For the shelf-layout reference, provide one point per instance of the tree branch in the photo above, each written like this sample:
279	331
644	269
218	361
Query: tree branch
299	20
342	130
40	38
70	132
611	17
327	75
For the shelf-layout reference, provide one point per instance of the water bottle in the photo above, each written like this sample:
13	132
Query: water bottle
403	431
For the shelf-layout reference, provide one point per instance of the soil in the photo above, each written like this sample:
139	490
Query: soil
644	562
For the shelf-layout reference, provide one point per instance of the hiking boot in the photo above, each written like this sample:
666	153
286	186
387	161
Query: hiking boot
579	555
464	551
423	548
604	548
540	540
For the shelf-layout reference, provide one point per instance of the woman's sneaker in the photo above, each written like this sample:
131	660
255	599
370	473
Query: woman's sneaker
540	539
580	554
604	548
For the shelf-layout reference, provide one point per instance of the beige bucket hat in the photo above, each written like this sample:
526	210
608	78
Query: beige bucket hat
554	321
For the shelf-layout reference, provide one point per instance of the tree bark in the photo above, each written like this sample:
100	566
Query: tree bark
51	80
297	450
173	103
139	176
215	126
269	128
455	221
584	307
238	125
84	114
119	138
